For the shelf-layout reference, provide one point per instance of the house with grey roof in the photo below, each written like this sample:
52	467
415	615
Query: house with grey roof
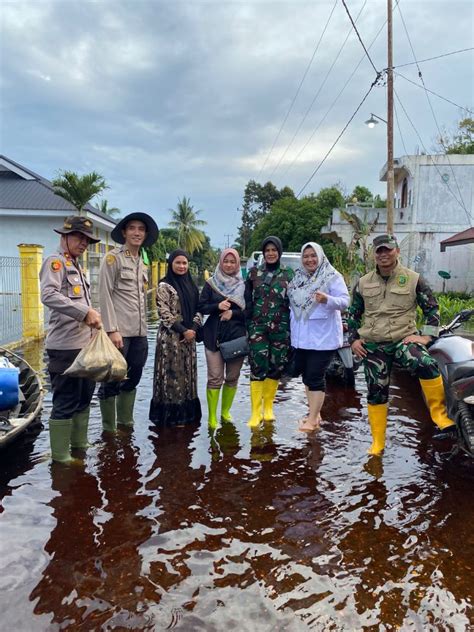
29	210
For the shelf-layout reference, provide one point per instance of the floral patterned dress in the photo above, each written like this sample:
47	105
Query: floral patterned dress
175	400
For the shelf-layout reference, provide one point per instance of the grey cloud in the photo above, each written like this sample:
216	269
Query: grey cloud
167	99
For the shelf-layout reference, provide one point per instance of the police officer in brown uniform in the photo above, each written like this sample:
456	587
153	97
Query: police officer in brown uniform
65	291
123	282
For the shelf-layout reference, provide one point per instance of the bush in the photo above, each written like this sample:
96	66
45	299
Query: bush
449	305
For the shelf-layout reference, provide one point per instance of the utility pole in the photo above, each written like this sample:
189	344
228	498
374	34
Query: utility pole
390	174
227	238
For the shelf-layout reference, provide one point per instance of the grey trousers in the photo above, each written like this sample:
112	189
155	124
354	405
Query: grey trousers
217	368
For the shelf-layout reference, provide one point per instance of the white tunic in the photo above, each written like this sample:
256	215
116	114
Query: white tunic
322	330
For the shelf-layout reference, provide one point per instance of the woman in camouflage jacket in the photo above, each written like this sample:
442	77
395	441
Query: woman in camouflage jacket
268	318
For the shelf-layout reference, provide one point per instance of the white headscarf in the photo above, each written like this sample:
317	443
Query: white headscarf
304	285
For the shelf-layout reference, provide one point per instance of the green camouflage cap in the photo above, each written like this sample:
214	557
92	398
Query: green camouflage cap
387	241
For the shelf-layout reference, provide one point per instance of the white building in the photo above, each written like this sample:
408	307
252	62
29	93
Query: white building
434	199
29	210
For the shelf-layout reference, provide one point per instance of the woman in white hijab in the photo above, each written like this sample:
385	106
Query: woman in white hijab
318	294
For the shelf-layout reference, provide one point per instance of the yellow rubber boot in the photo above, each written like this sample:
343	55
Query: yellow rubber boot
269	391
256	400
378	427
434	395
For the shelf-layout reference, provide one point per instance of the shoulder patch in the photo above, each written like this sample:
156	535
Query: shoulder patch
56	265
110	260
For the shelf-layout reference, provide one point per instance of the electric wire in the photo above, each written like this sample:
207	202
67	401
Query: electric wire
468	215
420	75
349	79
400	130
316	95
297	91
337	139
422	61
461	107
358	35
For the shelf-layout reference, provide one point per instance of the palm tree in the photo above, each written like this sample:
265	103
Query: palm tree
108	210
79	190
186	222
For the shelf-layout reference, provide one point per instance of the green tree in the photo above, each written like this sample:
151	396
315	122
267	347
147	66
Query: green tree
108	210
258	200
78	190
185	220
167	242
360	194
461	141
205	259
379	202
297	221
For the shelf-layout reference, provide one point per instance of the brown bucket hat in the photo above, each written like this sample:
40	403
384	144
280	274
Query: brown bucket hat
78	224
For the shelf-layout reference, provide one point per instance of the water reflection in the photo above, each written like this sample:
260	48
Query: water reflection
124	528
71	577
251	530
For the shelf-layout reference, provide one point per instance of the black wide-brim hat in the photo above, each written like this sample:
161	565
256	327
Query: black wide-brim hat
152	230
78	224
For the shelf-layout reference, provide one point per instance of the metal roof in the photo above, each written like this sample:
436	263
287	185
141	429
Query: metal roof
38	193
459	239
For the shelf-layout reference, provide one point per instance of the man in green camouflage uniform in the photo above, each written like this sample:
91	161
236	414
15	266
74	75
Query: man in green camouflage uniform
268	318
382	330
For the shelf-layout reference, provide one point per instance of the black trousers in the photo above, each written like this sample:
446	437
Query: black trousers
70	394
312	365
135	352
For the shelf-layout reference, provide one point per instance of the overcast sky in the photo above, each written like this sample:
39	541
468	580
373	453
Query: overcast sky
170	98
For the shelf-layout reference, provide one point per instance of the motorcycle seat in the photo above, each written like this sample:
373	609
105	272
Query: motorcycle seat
460	370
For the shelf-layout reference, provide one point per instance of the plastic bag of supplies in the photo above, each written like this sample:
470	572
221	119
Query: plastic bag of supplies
100	361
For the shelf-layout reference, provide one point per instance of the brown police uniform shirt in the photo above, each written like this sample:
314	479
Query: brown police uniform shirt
123	281
65	292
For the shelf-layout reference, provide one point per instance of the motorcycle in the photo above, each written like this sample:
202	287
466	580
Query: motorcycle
455	357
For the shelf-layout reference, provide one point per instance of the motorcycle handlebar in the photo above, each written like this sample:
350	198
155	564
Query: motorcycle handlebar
461	317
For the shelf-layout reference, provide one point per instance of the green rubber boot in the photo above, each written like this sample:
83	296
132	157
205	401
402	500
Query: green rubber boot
125	403
109	416
228	394
60	439
212	401
80	425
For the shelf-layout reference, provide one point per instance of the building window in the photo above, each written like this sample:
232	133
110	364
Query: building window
404	193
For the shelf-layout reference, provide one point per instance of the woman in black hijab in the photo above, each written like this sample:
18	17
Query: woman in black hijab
175	401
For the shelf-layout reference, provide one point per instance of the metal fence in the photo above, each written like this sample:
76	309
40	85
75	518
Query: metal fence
11	323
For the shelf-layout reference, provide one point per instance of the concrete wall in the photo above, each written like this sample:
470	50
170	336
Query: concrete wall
438	187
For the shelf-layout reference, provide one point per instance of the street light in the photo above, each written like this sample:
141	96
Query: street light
372	121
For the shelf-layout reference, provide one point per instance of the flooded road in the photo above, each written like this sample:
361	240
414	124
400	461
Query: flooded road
239	530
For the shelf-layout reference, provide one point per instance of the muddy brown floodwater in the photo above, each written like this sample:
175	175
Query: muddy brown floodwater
240	530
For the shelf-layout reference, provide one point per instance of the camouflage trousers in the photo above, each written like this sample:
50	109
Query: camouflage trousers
378	365
268	350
